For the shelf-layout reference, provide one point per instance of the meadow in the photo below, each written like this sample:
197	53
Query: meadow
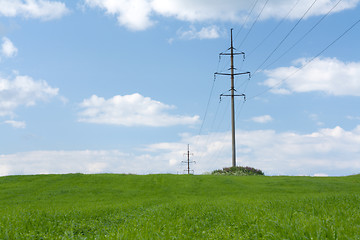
110	206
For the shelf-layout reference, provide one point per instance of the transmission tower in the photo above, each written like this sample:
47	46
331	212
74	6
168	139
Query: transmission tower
232	91
188	162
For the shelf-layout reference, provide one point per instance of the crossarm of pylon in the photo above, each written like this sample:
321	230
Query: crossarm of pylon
240	53
229	74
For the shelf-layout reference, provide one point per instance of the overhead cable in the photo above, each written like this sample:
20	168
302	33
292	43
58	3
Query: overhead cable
307	63
283	40
307	33
252	26
274	29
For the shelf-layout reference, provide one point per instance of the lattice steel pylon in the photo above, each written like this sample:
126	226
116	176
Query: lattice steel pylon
188	162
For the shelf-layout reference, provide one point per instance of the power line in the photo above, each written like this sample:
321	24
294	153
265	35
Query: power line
252	26
247	18
312	59
307	33
207	105
210	138
241	106
274	29
283	40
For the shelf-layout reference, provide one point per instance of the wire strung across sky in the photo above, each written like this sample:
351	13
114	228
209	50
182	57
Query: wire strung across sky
283	40
308	62
246	20
247	82
207	105
252	26
273	30
242	27
245	23
307	33
241	106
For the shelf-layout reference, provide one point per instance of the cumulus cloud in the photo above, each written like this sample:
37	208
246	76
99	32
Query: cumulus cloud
86	161
328	75
136	14
331	151
328	151
41	9
16	124
202	10
353	117
314	117
133	14
236	11
8	49
320	175
23	90
210	32
262	119
131	110
279	8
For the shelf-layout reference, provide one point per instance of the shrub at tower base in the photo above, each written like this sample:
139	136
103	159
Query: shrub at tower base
238	171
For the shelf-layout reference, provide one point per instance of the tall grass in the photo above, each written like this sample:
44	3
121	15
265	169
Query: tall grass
110	206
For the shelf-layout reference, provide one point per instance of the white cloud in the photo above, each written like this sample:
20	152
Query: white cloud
136	14
279	8
42	9
210	32
131	110
201	10
86	161
328	75
262	119
329	151
16	124
314	117
353	117
320	175
7	48
23	90
237	11
133	14
170	40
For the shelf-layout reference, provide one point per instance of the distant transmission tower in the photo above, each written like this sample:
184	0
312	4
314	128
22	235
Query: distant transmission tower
188	162
232	94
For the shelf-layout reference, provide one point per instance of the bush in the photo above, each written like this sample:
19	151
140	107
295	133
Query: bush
238	171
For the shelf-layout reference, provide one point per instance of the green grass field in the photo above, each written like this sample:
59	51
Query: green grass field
109	206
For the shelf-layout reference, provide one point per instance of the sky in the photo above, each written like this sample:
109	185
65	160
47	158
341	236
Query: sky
123	86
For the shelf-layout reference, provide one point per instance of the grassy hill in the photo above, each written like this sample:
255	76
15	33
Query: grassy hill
109	206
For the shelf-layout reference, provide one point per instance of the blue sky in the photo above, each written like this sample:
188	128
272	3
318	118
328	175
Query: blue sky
122	86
